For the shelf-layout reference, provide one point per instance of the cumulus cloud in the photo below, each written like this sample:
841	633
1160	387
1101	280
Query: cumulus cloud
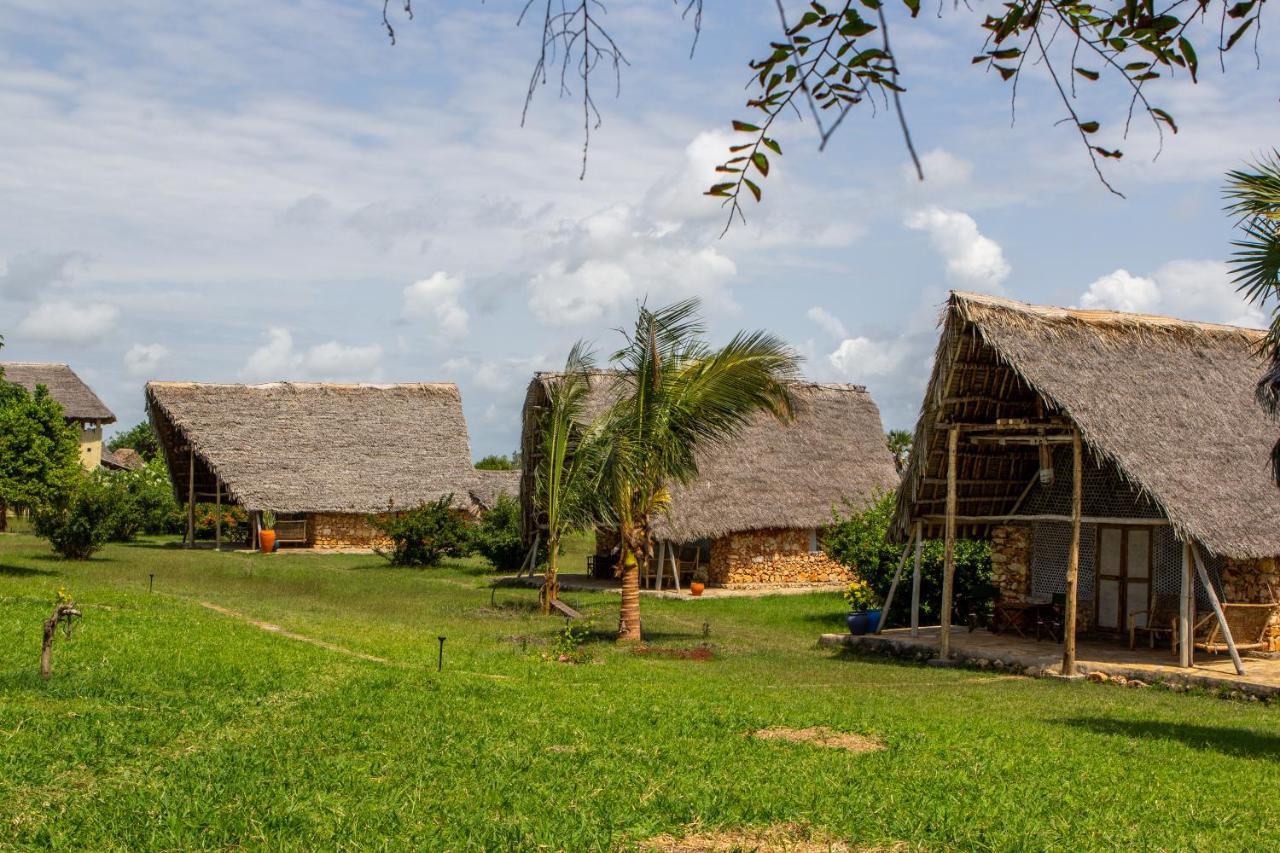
827	321
30	274
437	300
145	359
1189	289
497	374
331	361
860	358
942	170
973	260
64	322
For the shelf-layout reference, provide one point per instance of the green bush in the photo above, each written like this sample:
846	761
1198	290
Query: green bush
494	462
141	438
235	522
426	535
84	518
861	542
151	494
497	536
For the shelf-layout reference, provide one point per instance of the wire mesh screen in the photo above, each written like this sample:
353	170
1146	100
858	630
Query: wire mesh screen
1102	492
1166	575
1050	546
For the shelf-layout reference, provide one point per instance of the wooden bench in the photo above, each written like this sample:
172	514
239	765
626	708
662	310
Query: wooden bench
291	531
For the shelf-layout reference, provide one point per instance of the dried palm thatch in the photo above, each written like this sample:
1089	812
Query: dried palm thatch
490	485
124	459
294	447
78	401
1169	404
772	475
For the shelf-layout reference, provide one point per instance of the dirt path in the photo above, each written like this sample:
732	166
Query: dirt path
302	638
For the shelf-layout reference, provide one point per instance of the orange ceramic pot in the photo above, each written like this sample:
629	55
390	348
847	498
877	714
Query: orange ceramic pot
696	588
266	540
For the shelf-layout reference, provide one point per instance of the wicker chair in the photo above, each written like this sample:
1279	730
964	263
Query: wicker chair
1162	621
1248	623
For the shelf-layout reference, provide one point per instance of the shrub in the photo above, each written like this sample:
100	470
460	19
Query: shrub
426	535
497	536
78	524
494	462
141	438
235	522
861	541
152	494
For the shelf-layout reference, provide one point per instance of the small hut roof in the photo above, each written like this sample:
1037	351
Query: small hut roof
124	459
302	447
1170	403
77	399
490	485
773	474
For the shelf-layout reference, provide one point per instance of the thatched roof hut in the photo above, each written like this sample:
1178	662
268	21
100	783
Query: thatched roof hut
315	448
124	459
1167	406
490	485
772	475
77	399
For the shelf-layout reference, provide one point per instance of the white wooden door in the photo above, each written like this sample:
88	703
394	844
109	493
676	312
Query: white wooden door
1124	577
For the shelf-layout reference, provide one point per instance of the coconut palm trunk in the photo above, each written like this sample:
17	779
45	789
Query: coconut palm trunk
629	616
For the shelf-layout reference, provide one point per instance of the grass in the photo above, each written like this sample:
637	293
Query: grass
167	724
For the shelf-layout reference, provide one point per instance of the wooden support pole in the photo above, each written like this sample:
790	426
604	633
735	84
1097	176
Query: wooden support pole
893	586
1073	557
1212	595
217	514
675	566
1187	608
915	581
662	559
191	497
949	548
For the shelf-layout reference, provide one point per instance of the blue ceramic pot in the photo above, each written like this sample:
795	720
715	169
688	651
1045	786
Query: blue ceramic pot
873	621
857	623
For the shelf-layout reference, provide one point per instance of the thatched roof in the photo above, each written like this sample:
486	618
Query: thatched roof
490	485
295	447
1168	403
124	459
78	401
774	474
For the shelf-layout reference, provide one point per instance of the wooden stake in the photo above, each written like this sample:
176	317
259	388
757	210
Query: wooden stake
61	613
1212	595
949	551
1187	609
893	586
1073	557
915	581
191	497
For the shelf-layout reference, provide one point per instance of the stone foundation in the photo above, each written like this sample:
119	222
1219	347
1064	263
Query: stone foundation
345	530
1011	561
771	558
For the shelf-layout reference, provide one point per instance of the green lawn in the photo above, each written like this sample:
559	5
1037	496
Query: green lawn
170	725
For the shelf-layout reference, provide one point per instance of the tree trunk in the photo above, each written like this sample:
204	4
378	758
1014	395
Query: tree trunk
4	516
629	620
550	590
61	613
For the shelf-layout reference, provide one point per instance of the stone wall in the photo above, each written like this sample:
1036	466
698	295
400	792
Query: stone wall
345	530
1252	582
1011	561
779	557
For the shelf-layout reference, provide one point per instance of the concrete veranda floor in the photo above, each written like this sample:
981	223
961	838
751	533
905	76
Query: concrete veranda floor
1262	674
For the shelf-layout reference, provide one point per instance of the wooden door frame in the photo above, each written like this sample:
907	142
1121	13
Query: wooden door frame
1123	579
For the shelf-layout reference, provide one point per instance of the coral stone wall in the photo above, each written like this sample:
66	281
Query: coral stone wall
345	530
1253	582
777	557
1011	561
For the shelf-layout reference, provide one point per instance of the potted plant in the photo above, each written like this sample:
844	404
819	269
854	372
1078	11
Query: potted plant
864	606
267	532
699	582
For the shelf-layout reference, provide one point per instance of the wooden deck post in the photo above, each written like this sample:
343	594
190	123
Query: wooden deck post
191	497
893	586
1187	609
949	549
915	581
1212	595
675	566
1073	557
662	559
217	514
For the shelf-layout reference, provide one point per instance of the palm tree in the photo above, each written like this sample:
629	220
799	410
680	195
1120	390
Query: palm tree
679	397
1254	197
899	441
567	479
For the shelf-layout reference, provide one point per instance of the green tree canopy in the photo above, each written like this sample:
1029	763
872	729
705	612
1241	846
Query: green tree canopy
141	437
497	462
39	452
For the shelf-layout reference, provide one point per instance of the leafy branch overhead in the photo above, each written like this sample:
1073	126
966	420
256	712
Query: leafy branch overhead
837	59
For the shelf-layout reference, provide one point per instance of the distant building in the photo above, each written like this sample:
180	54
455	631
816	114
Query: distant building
82	408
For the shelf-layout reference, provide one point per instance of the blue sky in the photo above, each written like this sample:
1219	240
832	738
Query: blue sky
247	191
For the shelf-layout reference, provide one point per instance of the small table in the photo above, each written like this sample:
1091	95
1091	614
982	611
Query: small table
1018	616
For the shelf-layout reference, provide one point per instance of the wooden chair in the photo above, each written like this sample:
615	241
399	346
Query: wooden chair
1248	623
1162	621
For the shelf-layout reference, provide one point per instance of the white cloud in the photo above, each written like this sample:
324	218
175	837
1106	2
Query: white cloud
973	260
30	274
859	359
331	361
1188	289
145	359
942	170
827	321
64	322
436	300
498	374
